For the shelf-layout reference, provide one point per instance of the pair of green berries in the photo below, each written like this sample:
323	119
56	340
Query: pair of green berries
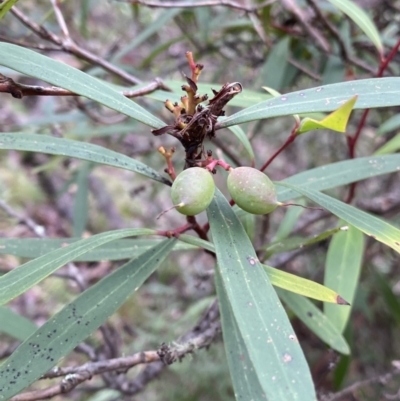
193	190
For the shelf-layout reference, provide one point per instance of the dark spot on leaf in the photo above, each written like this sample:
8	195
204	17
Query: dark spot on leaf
309	314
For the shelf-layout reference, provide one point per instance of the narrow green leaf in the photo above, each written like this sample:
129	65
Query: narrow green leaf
361	19
195	241
335	68
17	281
303	286
242	137
390	146
282	279
80	211
15	325
5	6
368	224
389	125
315	320
115	250
76	149
279	363
295	242
375	92
246	384
342	272
340	173
287	224
273	72
38	66
76	321
335	121
151	29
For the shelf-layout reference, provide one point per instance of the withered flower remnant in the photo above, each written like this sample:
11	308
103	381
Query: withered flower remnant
193	121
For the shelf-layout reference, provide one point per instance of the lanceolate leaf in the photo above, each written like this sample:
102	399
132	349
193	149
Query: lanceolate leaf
15	325
336	121
17	281
342	271
315	320
376	92
341	173
76	321
36	65
279	363
241	136
76	149
391	146
296	242
368	224
115	250
247	386
302	286
5	7
360	18
282	279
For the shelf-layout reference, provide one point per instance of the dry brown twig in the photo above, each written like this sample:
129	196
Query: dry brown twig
336	34
302	19
68	45
383	379
17	90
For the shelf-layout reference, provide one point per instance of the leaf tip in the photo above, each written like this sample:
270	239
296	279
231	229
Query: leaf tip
341	301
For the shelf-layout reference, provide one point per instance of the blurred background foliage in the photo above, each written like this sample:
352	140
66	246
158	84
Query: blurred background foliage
284	45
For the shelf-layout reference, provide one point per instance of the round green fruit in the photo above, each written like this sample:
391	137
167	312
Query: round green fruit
192	191
252	190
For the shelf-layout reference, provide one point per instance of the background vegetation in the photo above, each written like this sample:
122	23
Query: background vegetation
139	50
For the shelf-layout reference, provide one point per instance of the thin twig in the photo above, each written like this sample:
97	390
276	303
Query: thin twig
17	90
336	34
208	324
36	228
201	3
22	43
303	21
304	69
352	140
60	18
259	29
384	378
69	46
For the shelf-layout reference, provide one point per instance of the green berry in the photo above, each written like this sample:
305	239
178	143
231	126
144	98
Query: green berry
252	190
192	191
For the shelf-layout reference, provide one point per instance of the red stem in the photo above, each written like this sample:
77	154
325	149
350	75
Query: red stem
288	141
352	140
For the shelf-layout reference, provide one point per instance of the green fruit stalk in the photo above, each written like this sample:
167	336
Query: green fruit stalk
252	190
192	191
